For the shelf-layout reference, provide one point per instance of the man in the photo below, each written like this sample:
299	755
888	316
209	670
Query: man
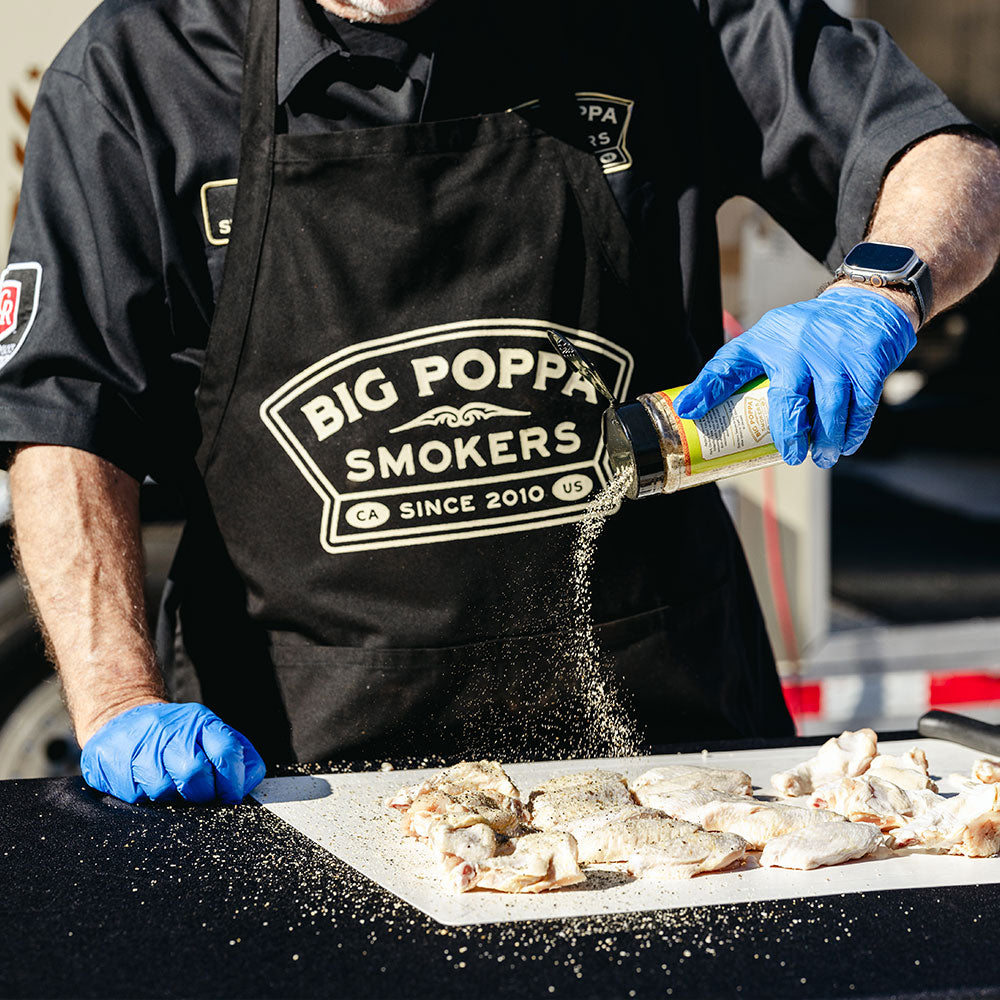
385	460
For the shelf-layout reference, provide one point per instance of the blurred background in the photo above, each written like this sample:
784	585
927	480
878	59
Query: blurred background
880	579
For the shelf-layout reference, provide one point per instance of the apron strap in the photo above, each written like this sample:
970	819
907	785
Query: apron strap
258	113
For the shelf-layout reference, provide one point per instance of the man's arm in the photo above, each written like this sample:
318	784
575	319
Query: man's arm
76	525
827	358
942	198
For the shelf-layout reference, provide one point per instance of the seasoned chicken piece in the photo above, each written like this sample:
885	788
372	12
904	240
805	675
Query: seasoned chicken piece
557	804
690	777
680	849
987	771
458	835
687	805
676	842
844	756
431	808
502	820
967	823
615	836
758	823
871	799
458	852
485	776
822	844
596	833
908	771
540	861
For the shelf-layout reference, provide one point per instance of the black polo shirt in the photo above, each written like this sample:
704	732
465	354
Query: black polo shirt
118	251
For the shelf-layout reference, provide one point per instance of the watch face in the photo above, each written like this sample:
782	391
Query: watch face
879	257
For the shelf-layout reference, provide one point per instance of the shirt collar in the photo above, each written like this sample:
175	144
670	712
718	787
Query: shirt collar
302	45
308	36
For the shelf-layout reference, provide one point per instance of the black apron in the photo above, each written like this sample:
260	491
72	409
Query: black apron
394	459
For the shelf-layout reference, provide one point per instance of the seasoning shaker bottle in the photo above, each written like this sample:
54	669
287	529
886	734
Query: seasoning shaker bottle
659	452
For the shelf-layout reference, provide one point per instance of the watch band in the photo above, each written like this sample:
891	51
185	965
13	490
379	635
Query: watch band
919	284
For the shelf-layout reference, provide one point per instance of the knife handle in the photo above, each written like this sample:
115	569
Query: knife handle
960	729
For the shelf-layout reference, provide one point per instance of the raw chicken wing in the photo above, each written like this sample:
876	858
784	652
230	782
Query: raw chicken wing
690	777
758	823
679	849
687	805
844	756
967	823
558	803
485	776
908	771
987	771
872	799
823	844
540	861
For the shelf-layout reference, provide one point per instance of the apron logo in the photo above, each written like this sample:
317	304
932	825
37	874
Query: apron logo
465	417
454	431
19	287
218	198
605	120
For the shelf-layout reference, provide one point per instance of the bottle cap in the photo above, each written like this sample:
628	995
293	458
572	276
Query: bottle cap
633	444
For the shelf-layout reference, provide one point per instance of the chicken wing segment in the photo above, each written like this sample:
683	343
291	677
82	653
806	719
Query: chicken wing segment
690	777
822	844
986	771
682	851
909	770
758	823
843	756
872	799
967	823
560	802
541	861
484	776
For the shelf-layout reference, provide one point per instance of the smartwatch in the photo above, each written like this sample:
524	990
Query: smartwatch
886	265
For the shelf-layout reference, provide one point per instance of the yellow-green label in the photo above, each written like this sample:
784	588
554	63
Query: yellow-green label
737	430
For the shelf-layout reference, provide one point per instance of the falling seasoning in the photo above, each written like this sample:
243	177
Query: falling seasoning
603	715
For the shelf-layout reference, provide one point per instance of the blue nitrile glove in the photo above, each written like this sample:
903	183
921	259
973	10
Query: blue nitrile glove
162	752
827	359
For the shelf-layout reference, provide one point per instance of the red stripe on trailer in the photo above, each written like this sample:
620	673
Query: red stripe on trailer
959	689
803	700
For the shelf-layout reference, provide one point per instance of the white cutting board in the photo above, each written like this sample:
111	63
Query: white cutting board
346	814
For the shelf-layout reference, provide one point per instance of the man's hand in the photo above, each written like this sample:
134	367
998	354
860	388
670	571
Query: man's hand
162	752
827	359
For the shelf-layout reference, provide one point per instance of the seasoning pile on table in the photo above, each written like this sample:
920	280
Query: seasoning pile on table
846	802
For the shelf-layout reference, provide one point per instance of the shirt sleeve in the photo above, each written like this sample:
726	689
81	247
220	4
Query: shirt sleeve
810	109
78	370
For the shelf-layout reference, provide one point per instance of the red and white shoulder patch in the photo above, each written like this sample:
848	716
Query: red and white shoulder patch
19	288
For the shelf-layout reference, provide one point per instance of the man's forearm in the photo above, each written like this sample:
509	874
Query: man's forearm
76	524
942	198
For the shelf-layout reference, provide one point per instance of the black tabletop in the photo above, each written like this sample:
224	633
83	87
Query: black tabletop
103	899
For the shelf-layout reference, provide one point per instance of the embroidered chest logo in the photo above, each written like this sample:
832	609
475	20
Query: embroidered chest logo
19	288
218	199
605	123
454	431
